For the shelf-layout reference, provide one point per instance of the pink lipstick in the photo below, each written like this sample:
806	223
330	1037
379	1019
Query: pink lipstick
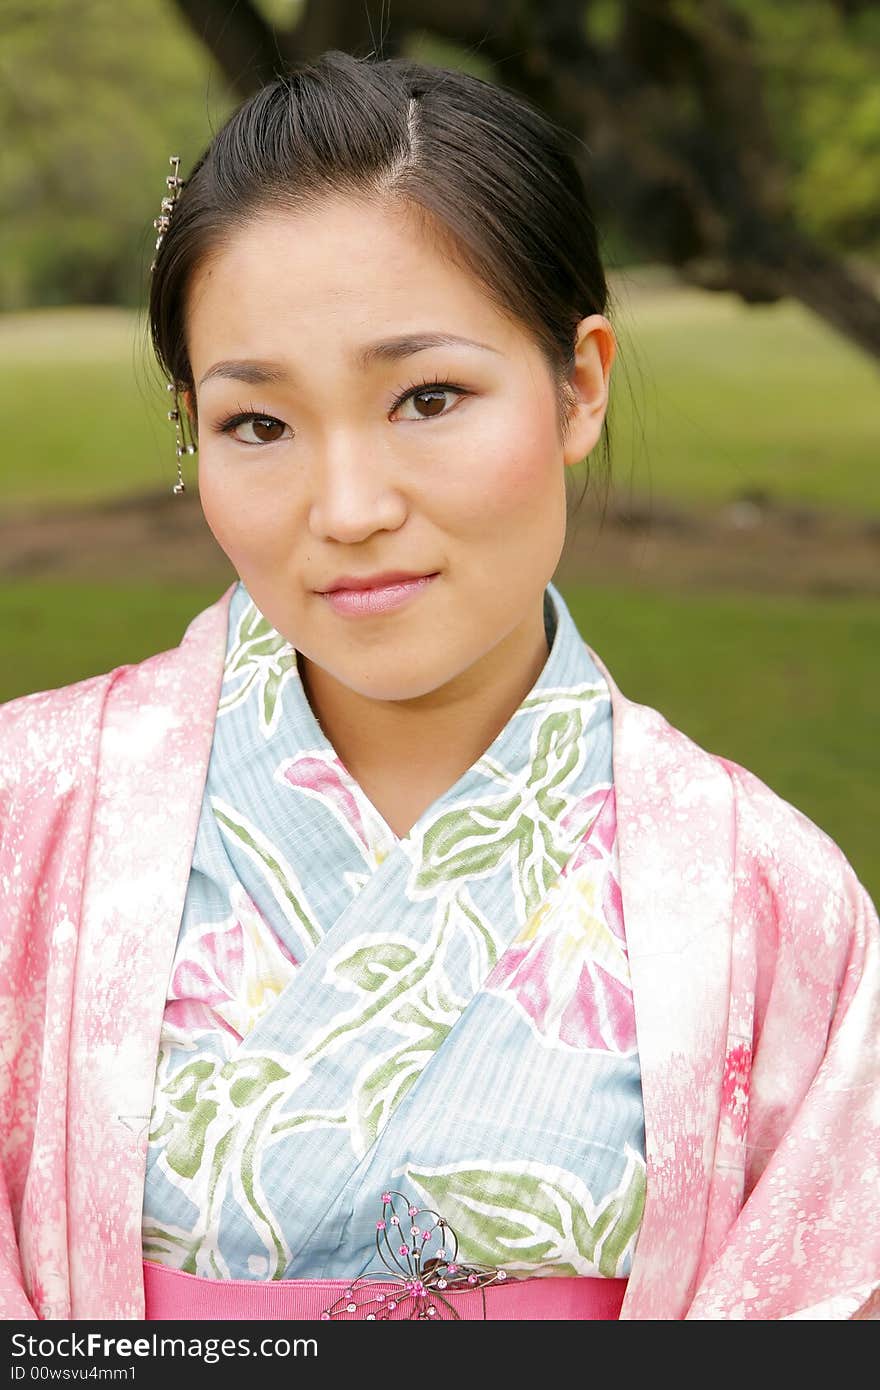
374	594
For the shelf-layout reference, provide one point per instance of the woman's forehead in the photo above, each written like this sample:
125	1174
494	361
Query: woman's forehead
357	272
335	233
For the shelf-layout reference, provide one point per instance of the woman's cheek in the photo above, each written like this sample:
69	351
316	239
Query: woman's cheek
218	503
241	512
516	476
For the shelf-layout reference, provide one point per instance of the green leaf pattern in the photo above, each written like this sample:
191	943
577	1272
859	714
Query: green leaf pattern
524	827
533	1217
220	1119
259	663
280	879
407	991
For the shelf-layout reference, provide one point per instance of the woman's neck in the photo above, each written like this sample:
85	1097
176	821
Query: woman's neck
404	754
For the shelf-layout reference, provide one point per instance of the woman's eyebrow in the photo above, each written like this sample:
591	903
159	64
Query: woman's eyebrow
256	372
405	344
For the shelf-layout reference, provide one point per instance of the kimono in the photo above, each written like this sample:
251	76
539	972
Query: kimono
752	961
448	1012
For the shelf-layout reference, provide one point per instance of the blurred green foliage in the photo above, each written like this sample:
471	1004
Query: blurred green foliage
820	79
95	95
822	76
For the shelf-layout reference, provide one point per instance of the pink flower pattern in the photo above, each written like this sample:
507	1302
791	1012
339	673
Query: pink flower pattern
227	974
323	775
568	970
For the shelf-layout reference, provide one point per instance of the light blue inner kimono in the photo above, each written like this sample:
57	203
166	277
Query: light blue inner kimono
448	1014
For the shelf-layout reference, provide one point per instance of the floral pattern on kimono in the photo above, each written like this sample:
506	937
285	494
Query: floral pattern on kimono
449	1012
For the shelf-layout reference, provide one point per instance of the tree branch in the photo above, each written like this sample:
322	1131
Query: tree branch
677	143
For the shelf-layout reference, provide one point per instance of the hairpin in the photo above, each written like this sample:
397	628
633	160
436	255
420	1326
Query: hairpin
420	1287
174	182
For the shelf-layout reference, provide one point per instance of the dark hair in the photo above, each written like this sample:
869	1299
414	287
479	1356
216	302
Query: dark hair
487	174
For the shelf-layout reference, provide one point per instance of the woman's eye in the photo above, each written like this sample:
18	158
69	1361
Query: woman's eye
265	429
428	401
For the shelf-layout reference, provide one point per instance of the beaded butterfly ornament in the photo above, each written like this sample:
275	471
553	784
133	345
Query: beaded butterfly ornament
422	1273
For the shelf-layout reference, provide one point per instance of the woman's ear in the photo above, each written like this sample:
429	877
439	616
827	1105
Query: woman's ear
587	387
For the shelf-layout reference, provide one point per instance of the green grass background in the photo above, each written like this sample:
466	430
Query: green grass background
712	400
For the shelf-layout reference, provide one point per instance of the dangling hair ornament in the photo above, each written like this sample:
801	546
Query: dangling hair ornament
185	439
184	445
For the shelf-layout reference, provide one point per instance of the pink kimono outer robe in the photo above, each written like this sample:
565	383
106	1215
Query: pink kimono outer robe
755	962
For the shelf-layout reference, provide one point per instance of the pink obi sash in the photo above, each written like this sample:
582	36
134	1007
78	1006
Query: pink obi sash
172	1295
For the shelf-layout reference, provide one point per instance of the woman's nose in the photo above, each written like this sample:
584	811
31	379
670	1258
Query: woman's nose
354	494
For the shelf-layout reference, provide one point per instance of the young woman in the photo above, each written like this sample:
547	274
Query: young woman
371	954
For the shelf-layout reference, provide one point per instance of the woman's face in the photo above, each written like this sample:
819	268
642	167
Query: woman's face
336	442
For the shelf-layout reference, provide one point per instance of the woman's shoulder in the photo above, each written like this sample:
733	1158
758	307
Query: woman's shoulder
792	852
60	728
34	728
778	849
772	840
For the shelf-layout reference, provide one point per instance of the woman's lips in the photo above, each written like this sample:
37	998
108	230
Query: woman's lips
365	602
